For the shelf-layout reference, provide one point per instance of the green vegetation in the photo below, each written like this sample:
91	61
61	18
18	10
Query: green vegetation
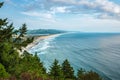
67	70
14	66
87	75
3	72
55	71
44	31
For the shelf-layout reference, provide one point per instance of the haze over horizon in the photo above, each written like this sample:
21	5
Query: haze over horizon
71	15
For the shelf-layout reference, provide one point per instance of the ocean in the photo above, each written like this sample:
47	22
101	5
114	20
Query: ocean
99	52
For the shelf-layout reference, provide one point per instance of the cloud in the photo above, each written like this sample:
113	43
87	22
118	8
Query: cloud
108	9
38	14
65	1
61	9
103	7
10	2
108	6
108	16
42	16
48	17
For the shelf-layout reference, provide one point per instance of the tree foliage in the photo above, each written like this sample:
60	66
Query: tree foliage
55	71
30	64
8	56
3	73
87	75
10	41
67	70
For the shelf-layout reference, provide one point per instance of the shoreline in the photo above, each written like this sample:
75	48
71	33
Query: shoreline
37	40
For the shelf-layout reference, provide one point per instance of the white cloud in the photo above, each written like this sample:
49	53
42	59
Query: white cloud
48	17
103	5
108	6
38	14
65	1
86	3
61	9
75	6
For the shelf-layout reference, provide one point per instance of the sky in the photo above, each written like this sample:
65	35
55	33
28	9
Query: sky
71	15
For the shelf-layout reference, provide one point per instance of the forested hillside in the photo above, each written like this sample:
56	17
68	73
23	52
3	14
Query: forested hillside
44	31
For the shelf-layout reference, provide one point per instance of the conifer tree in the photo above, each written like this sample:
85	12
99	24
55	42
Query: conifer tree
80	74
6	30
87	75
9	57
67	70
55	71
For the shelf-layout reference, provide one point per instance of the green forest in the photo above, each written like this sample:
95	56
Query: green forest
14	66
44	31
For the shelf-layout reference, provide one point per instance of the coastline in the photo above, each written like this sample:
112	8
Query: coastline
37	39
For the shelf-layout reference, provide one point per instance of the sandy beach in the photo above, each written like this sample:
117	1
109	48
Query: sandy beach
37	39
35	42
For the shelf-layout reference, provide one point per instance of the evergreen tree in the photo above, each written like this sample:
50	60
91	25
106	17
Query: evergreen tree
87	75
31	65
21	32
92	76
20	39
55	71
6	31
8	56
16	37
80	74
67	70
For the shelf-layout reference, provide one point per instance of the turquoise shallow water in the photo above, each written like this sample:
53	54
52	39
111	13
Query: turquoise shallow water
99	52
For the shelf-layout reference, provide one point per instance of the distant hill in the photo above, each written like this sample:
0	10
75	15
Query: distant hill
44	32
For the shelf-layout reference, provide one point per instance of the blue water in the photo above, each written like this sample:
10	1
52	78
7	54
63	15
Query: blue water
99	52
